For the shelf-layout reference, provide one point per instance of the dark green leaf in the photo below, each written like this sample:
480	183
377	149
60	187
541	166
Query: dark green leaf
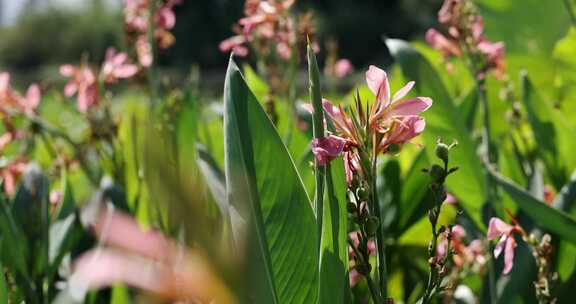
263	185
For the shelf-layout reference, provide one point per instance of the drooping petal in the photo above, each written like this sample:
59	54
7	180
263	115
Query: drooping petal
500	246
497	228
509	255
412	106
326	149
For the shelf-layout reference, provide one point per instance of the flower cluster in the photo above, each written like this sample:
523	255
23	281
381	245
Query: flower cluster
137	22
465	36
12	99
267	27
391	121
84	82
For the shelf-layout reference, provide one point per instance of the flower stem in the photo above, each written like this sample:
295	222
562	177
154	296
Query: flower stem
381	261
371	285
570	9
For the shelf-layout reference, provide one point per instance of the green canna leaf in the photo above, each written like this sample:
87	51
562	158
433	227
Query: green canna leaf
443	120
553	134
262	184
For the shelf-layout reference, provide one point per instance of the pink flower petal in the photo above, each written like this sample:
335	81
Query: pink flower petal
440	42
403	91
377	81
327	148
342	68
509	255
32	99
118	229
497	228
409	107
404	130
67	70
500	246
126	71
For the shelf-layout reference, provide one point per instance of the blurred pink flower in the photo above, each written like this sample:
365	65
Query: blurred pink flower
446	46
146	260
235	44
144	51
499	229
82	83
327	148
354	276
10	174
11	98
342	68
115	66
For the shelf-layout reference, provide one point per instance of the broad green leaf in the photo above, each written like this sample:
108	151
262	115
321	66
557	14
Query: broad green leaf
263	185
443	120
553	134
3	287
469	107
333	282
543	215
414	190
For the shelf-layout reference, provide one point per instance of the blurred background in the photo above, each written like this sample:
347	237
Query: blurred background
38	35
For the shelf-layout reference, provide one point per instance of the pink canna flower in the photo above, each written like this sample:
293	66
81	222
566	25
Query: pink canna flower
83	84
326	149
11	98
342	68
115	66
402	131
499	229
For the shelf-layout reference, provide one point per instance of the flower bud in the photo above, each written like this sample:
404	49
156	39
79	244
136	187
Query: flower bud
371	225
442	151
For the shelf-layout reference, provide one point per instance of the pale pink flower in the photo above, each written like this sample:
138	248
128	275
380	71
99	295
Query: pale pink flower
10	174
115	66
30	102
55	197
499	229
342	68
82	83
326	149
7	95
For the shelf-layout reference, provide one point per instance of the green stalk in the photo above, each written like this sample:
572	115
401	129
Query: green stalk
318	130
570	9
380	239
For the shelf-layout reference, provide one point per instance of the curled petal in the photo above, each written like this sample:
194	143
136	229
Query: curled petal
500	246
497	228
327	148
